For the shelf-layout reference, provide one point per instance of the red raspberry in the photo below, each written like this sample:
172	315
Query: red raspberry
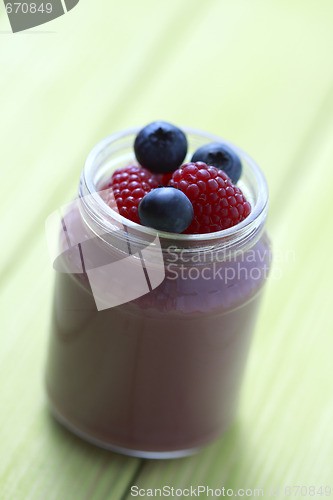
163	179
217	203
129	186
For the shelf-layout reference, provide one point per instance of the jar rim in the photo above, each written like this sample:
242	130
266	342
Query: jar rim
258	210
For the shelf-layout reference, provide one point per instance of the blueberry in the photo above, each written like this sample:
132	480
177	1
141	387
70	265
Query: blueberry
222	157
160	147
166	209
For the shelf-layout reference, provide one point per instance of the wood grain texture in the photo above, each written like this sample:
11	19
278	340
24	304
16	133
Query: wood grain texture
258	73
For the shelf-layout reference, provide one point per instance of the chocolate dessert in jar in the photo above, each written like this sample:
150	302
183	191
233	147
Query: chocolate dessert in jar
152	323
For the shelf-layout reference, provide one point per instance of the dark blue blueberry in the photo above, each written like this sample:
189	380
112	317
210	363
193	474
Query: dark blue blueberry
166	209
222	157
160	147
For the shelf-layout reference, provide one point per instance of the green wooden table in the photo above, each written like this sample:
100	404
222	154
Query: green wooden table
255	72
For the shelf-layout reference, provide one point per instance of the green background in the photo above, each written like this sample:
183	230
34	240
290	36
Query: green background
256	72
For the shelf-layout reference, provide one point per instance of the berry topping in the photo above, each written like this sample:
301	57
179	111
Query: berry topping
217	203
222	157
166	209
129	185
160	147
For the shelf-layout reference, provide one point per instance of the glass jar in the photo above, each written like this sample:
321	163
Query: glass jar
151	331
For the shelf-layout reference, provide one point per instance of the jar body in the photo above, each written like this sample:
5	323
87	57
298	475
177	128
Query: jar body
158	376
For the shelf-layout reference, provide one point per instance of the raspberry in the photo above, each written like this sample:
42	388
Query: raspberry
129	186
163	179
217	203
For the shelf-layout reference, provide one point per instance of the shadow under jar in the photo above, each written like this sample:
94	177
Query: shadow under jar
158	376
